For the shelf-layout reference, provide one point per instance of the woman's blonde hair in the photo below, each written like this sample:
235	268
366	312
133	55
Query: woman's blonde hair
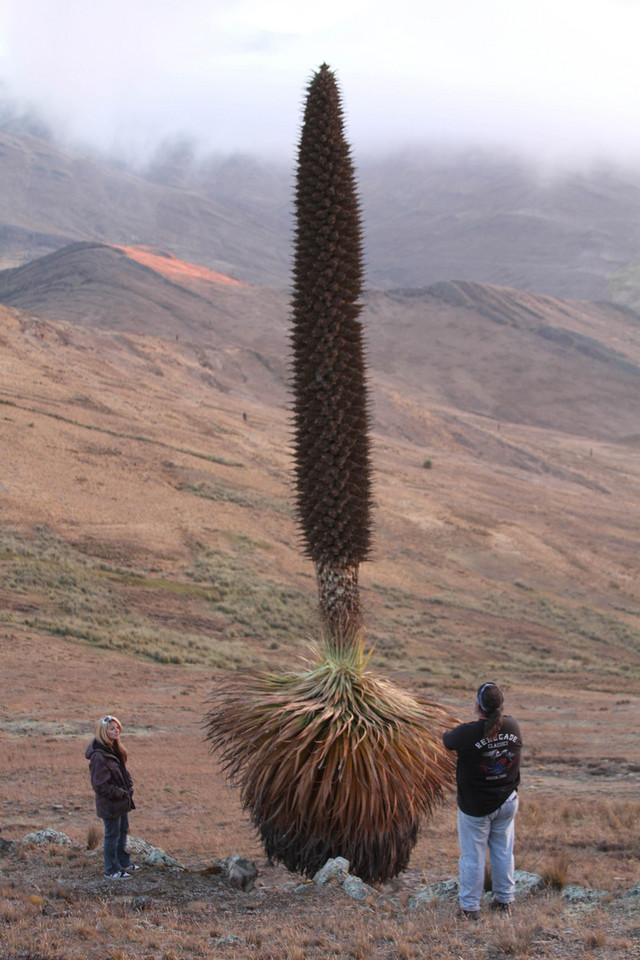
100	733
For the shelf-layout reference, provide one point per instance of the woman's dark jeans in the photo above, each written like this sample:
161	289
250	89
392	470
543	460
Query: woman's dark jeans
115	841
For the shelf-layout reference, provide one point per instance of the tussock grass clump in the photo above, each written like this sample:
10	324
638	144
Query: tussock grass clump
93	837
228	493
332	761
555	871
516	938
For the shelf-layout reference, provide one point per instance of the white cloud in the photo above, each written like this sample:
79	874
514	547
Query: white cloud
562	72
291	17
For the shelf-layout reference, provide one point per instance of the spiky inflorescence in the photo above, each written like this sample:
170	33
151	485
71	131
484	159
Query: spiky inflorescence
331	422
332	762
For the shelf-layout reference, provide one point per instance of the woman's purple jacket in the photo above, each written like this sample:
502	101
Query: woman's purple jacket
110	780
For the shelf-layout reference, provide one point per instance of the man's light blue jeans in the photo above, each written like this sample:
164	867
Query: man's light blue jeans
497	831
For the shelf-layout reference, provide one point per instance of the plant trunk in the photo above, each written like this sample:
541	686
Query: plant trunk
339	596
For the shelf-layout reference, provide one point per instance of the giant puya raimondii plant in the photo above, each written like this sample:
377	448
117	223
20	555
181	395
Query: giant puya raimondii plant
331	761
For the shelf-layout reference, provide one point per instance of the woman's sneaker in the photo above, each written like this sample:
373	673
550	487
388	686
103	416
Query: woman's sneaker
119	875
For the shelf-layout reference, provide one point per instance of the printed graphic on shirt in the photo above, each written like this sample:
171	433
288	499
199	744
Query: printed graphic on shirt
496	762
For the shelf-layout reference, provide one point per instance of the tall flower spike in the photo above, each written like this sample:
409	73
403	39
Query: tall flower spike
331	420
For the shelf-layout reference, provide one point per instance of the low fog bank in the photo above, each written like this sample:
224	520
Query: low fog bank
185	159
442	211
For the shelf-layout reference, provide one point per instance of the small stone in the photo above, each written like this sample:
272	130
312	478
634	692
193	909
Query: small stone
241	872
154	856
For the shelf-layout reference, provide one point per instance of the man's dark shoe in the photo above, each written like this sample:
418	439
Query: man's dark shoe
502	907
470	914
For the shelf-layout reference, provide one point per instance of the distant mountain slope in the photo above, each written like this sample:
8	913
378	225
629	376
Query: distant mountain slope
109	287
513	356
124	289
503	354
434	216
52	196
429	215
134	289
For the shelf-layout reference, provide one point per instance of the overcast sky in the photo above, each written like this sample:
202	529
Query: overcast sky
548	76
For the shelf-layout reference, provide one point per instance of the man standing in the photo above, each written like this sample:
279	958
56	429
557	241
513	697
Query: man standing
487	774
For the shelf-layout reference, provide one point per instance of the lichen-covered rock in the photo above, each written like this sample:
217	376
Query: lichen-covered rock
527	883
356	888
334	871
44	837
633	892
442	890
154	856
240	872
575	894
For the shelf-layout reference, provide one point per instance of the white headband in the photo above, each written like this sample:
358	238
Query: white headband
482	689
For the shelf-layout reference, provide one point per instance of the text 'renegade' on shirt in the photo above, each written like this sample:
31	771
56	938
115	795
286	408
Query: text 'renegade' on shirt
487	771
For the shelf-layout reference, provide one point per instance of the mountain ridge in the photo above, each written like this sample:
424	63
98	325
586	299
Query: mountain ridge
484	349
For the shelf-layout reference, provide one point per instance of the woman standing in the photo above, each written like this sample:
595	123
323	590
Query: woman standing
113	788
487	774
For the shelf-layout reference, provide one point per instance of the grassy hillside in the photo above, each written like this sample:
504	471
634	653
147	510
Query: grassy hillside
147	543
147	499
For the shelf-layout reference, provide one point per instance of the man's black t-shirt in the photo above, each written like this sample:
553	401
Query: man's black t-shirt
488	771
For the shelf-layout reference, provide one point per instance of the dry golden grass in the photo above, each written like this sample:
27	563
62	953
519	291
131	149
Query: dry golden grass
584	841
54	901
